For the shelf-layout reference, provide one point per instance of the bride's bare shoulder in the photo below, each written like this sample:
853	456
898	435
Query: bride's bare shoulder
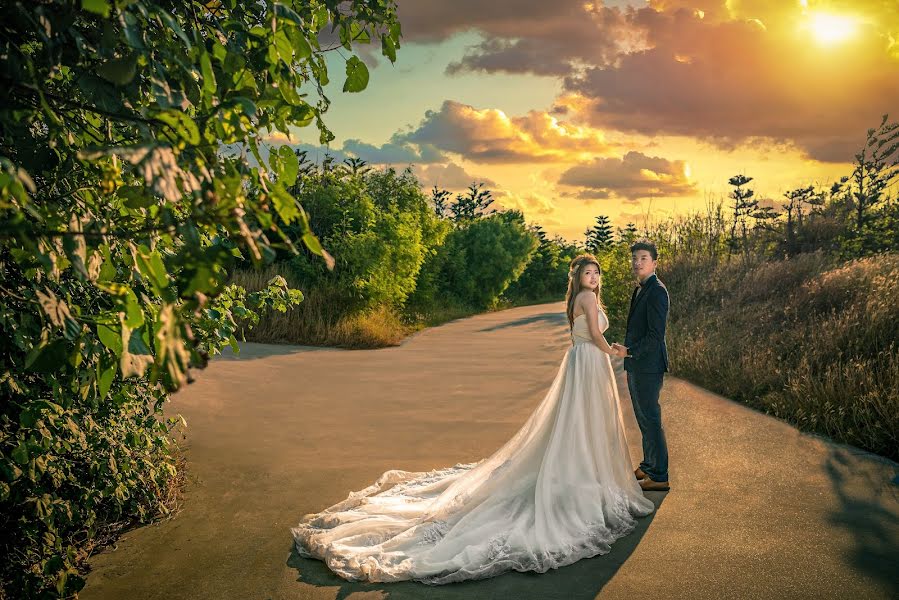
585	299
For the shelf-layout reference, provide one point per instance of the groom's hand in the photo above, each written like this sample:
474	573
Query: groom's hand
620	351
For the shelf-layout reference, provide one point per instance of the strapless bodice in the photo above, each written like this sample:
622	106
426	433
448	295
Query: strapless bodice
580	332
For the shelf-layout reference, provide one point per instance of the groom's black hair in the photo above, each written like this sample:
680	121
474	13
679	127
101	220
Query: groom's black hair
645	244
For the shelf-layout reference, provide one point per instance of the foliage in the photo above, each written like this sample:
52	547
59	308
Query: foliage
600	236
467	207
481	258
617	286
810	340
546	274
380	227
120	221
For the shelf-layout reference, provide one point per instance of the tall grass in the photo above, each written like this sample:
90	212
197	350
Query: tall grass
808	340
326	318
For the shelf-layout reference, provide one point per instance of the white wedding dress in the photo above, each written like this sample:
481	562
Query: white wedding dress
560	490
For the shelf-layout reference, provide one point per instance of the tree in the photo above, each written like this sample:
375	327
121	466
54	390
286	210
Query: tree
627	235
876	166
355	166
472	205
544	277
743	207
600	236
119	220
797	198
439	199
477	261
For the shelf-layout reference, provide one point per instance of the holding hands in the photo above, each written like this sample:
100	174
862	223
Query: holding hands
619	350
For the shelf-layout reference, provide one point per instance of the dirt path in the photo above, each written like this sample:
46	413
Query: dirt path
757	510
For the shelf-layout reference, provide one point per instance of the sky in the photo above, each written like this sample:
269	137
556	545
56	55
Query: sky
635	109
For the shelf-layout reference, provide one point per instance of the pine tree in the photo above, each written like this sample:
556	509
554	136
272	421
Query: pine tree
600	237
472	205
744	205
627	235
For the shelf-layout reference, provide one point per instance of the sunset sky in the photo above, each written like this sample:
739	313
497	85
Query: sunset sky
570	109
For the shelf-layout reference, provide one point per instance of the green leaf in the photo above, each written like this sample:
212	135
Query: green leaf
356	75
100	7
110	337
181	123
285	12
173	24
137	196
249	109
119	71
20	454
150	264
284	163
312	243
105	377
388	48
289	93
300	44
134	315
207	74
50	358
107	269
283	47
359	34
285	204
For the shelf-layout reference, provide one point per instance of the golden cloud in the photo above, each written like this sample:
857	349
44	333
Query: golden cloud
489	135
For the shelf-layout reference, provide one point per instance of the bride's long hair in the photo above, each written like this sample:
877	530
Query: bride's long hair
575	269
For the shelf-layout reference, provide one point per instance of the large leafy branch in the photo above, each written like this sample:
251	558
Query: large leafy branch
120	218
111	137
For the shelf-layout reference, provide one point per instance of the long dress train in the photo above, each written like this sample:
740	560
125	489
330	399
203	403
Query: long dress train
561	489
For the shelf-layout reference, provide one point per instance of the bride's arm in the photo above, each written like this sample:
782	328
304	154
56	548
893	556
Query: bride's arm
588	303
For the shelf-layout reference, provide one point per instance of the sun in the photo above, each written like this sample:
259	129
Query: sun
832	29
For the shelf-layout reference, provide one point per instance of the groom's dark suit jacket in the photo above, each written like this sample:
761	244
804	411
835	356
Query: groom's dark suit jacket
645	337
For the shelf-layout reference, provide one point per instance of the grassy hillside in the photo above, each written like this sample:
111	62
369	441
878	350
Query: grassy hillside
808	339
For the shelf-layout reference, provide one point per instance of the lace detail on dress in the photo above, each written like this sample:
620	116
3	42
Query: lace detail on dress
433	532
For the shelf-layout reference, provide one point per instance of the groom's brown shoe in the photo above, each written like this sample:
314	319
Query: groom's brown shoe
639	474
649	485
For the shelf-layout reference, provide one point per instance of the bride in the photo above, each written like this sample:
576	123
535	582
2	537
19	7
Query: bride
560	490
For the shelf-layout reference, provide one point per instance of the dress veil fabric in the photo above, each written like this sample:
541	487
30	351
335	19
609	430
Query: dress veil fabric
561	489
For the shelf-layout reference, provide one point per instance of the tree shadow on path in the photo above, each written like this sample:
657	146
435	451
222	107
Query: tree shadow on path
582	580
871	518
553	318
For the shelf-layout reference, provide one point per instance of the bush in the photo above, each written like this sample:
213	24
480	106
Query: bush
120	218
478	261
379	228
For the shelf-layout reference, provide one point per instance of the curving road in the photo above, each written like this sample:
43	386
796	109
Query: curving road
757	509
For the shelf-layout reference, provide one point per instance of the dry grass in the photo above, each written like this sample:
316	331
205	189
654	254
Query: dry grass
325	318
806	340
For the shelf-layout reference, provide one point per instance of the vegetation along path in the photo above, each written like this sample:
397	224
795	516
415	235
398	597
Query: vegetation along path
757	509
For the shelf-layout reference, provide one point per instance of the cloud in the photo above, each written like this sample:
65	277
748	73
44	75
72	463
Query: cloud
393	152
631	177
530	203
729	72
448	176
734	81
490	136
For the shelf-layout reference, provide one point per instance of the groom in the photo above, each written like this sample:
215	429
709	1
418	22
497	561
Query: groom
646	361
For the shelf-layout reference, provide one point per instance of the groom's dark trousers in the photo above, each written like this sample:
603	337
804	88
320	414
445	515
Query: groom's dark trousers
646	365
